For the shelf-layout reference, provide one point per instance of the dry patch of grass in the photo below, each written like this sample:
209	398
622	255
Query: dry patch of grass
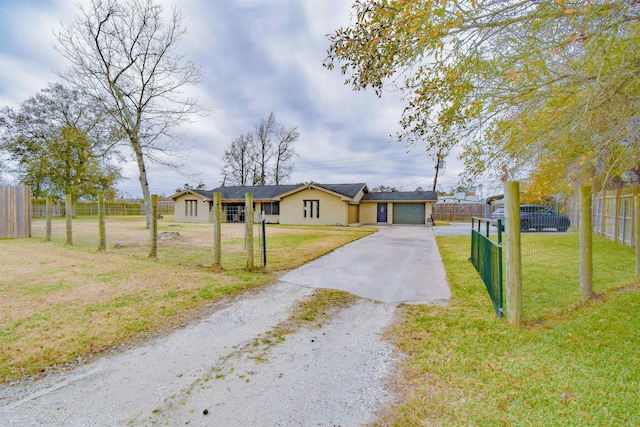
59	304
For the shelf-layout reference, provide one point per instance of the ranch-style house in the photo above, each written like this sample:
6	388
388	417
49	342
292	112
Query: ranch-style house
321	204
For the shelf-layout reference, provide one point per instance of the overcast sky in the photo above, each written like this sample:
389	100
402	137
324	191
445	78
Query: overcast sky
257	56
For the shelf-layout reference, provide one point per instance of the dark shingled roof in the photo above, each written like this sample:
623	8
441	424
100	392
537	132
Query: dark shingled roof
349	190
259	192
268	192
205	193
399	196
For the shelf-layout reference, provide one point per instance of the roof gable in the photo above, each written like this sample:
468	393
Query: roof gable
207	194
344	191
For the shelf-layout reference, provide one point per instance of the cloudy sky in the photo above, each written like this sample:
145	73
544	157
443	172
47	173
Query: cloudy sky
257	57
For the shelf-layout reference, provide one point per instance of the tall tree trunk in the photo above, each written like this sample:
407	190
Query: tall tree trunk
142	176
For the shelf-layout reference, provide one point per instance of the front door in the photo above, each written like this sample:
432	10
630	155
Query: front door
382	212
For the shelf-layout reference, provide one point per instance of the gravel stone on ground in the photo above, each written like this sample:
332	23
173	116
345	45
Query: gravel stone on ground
328	376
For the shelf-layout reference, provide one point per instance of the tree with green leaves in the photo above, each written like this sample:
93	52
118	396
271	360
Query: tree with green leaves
61	142
124	55
520	83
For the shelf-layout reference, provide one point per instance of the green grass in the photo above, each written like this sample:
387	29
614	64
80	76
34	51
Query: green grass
551	271
572	364
316	309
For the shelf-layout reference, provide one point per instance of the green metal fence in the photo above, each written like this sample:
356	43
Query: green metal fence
486	257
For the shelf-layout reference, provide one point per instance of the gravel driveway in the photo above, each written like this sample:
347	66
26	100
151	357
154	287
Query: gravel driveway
328	376
226	370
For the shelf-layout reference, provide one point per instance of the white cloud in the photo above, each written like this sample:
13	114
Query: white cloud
257	57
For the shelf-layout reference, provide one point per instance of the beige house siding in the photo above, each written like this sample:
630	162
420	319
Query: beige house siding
428	209
353	214
333	210
368	213
196	210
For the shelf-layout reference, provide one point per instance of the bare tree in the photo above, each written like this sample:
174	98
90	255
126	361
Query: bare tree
264	147
284	152
261	157
124	55
239	161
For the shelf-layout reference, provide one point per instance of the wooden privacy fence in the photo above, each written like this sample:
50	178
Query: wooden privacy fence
612	214
458	211
15	214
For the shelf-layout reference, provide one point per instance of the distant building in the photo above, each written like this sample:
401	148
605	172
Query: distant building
461	197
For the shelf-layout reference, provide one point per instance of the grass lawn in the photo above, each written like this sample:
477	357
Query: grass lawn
193	246
59	303
570	364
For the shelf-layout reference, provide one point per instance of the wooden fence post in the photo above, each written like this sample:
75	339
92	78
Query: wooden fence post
217	238
248	234
512	253
586	240
47	235
636	224
102	246
154	226
68	212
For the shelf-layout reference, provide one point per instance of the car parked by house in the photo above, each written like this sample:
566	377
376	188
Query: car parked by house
537	217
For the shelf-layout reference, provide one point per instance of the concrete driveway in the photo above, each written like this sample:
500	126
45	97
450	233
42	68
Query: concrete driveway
456	229
396	264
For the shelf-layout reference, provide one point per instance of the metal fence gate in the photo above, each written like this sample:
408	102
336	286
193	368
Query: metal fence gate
486	257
